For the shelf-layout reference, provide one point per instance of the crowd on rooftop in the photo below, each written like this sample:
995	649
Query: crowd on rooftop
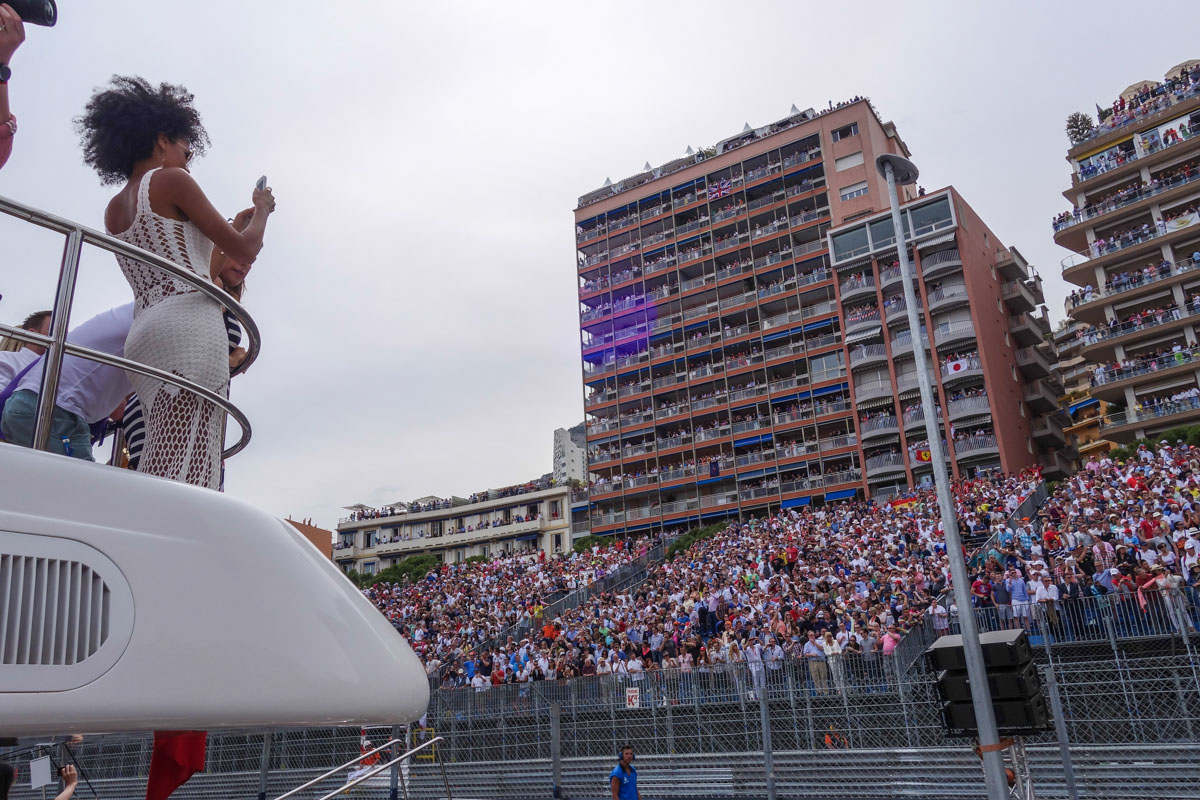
438	504
1150	99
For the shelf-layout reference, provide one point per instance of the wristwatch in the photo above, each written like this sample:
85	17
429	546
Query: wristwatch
5	73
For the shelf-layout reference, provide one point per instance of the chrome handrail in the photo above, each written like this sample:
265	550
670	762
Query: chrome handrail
373	772
57	347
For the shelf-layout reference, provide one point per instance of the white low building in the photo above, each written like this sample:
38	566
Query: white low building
527	517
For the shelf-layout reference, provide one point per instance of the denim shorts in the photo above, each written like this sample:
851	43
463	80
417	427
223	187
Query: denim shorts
69	432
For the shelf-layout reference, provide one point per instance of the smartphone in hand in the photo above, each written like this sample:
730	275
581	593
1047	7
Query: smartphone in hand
262	183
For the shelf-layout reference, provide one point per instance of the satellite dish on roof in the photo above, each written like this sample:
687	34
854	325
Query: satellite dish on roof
607	182
647	168
747	128
794	110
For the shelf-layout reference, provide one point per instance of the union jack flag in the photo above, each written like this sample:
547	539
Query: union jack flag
719	189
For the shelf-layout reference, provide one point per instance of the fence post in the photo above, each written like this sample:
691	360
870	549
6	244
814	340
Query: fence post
768	756
394	772
556	747
1060	729
264	765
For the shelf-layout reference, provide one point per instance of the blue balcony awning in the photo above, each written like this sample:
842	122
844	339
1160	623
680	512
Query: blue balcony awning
837	387
1091	401
525	537
797	501
841	494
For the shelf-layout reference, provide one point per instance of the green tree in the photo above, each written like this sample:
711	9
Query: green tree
1079	127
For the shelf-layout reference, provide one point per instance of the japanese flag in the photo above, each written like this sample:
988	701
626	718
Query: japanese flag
957	365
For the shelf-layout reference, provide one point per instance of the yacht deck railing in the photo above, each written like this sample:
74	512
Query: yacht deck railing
56	343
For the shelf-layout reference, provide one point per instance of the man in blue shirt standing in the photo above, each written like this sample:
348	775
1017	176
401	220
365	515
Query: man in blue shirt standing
623	778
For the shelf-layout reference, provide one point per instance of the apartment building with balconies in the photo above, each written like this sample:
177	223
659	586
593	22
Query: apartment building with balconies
527	517
1134	233
730	362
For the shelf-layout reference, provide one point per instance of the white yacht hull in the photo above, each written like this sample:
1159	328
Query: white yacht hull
129	602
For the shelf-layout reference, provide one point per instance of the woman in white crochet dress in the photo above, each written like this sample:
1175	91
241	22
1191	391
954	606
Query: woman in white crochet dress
144	137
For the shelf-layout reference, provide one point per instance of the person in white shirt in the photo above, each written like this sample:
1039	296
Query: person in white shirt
1047	598
88	391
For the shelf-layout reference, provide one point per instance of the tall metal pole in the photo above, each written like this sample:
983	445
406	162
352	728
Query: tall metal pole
993	761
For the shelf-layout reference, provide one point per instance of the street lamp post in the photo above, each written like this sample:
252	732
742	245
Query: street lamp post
898	170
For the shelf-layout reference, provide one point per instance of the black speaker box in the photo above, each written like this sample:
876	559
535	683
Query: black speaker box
1013	683
1000	649
1028	714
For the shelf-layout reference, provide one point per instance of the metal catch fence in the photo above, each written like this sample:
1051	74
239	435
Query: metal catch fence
739	731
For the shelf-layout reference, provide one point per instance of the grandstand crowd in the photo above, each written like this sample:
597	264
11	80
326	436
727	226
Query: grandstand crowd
808	583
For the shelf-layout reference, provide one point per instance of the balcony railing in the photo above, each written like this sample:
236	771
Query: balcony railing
872	389
1090	212
1103	375
882	424
969	405
1135	238
953	331
1148	413
939	258
1104	129
962	366
1134	280
861	319
947	294
865	353
885	462
971	444
1169	316
856	285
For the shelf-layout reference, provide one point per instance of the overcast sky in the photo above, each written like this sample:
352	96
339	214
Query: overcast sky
416	294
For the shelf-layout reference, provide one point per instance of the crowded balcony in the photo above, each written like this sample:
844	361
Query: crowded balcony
968	404
878	425
1161	414
1098	341
1108	381
1080	302
1144	108
856	285
1073	221
860	317
1079	268
977	444
961	365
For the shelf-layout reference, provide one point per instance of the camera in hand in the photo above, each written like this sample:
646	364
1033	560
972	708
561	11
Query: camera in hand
36	12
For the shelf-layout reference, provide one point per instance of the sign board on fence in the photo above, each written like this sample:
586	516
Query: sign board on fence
633	697
39	772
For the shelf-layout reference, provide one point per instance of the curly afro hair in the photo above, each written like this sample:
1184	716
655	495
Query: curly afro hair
121	124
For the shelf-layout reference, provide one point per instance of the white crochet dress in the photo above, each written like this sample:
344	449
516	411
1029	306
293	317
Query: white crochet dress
177	329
